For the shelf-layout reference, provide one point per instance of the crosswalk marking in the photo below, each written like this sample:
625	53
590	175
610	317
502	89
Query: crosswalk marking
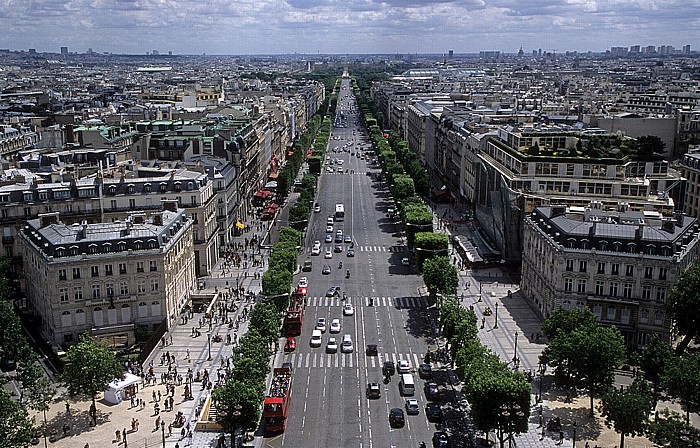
396	302
321	360
393	249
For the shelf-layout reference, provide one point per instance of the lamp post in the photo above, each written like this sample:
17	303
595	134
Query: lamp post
543	368
510	415
209	346
162	431
496	324
515	352
574	438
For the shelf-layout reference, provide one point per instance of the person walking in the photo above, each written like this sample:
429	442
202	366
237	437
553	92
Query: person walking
118	435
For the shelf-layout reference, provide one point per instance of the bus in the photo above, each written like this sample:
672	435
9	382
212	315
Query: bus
339	212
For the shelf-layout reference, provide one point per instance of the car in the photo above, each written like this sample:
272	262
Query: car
321	324
347	239
330	220
412	407
330	169
371	350
348	310
317	243
434	412
333	291
405	261
316	250
432	392
388	368
303	282
290	345
329	238
315	338
404	366
440	440
340	162
396	418
308	265
317	208
338	248
350	252
332	345
373	391
329	229
346	346
338	238
335	326
326	269
328	254
425	371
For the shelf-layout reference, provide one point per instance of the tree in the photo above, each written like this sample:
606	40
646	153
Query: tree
266	319
239	403
681	379
440	276
430	244
90	367
11	339
16	427
563	321
669	429
649	147
654	357
683	305
628	409
276	282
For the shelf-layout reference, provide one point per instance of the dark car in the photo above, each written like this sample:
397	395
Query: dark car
290	345
432	392
425	371
397	418
333	291
440	440
350	253
338	248
388	368
373	391
371	350
434	412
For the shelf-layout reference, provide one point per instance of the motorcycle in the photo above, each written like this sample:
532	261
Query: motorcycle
347	273
340	265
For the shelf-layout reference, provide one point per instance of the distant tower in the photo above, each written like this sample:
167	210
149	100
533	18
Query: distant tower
451	54
64	50
520	52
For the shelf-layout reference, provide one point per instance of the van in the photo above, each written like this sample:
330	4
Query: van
406	385
315	338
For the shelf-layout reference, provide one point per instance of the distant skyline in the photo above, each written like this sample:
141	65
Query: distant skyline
345	26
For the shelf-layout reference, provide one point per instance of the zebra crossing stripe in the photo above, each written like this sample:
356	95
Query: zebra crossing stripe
417	361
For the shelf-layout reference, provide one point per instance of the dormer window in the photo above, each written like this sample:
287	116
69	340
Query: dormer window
163	188
112	190
131	189
28	196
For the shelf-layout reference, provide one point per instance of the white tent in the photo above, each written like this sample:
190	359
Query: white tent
115	391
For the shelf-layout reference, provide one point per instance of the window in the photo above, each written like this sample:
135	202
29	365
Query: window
109	289
108	269
627	290
78	293
615	269
568	285
611	313
62	274
63	295
96	292
581	286
613	289
113	204
94	271
153	266
76	273
660	294
597	311
143	309
601	268
658	317
646	292
141	287
123	288
122	268
132	204
643	316
582	266
566	304
80	317
663	273
629	270
154	285
625	316
155	308
570	265
599	287
139	266
648	272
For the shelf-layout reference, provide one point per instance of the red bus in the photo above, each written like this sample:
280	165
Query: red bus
295	313
276	403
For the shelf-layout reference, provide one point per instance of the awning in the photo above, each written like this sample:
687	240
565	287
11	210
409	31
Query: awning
262	194
240	225
271	184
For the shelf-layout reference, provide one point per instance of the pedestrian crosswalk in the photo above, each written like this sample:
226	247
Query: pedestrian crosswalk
320	360
393	249
396	302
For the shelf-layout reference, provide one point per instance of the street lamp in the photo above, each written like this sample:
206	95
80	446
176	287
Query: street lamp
574	438
515	353
209	346
543	368
162	430
496	325
511	414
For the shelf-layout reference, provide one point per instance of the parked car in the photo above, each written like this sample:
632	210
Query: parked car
425	371
432	392
290	345
434	412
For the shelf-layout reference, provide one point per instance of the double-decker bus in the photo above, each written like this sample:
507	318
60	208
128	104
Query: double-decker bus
339	212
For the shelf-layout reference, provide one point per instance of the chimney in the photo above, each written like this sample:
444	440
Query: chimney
558	210
169	205
668	225
46	219
639	232
157	219
82	231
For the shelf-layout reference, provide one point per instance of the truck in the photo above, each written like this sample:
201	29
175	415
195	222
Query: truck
276	404
295	313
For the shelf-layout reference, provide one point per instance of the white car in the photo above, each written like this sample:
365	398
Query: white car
340	161
329	253
303	282
404	366
329	229
332	345
348	310
346	346
316	250
321	324
335	326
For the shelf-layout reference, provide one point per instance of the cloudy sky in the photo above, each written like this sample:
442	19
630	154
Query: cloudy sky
345	26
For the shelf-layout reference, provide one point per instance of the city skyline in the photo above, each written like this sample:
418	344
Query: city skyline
333	27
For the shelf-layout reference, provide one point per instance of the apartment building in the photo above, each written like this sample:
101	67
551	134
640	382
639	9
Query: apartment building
690	170
621	264
108	278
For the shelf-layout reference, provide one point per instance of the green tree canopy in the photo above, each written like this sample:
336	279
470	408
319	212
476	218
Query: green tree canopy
16	427
681	378
266	319
654	357
670	430
628	409
440	276
565	322
284	259
289	235
428	245
683	304
238	403
90	367
276	282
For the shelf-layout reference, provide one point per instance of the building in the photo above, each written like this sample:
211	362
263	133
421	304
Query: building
620	264
690	170
108	278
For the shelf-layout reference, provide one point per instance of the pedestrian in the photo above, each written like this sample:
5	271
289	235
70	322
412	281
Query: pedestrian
67	408
561	437
118	435
132	401
541	420
153	395
124	435
170	429
137	425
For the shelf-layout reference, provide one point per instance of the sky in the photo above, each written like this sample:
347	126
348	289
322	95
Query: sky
345	26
